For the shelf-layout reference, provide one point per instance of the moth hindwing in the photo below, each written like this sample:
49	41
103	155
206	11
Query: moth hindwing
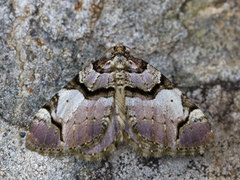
119	97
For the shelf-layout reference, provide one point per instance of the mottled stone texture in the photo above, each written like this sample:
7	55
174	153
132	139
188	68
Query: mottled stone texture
43	44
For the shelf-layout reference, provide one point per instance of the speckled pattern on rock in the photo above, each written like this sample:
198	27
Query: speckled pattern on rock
43	44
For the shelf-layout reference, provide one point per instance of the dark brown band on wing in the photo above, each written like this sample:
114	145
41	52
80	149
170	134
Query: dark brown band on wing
97	65
102	92
136	92
141	65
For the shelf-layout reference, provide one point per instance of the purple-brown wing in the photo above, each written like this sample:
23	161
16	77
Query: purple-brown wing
106	144
146	80
95	80
161	120
73	121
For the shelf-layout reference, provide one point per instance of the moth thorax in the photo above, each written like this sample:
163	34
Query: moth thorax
120	62
120	78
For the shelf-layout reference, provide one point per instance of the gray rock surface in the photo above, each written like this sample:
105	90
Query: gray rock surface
43	44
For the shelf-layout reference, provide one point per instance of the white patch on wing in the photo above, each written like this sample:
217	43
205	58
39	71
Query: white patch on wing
170	102
43	114
68	102
196	115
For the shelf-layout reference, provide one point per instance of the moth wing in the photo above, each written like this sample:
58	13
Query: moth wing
105	145
75	119
42	134
161	120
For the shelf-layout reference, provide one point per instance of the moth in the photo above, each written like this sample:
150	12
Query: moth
119	97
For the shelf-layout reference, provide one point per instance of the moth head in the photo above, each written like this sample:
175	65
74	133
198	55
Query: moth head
119	49
119	58
116	60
